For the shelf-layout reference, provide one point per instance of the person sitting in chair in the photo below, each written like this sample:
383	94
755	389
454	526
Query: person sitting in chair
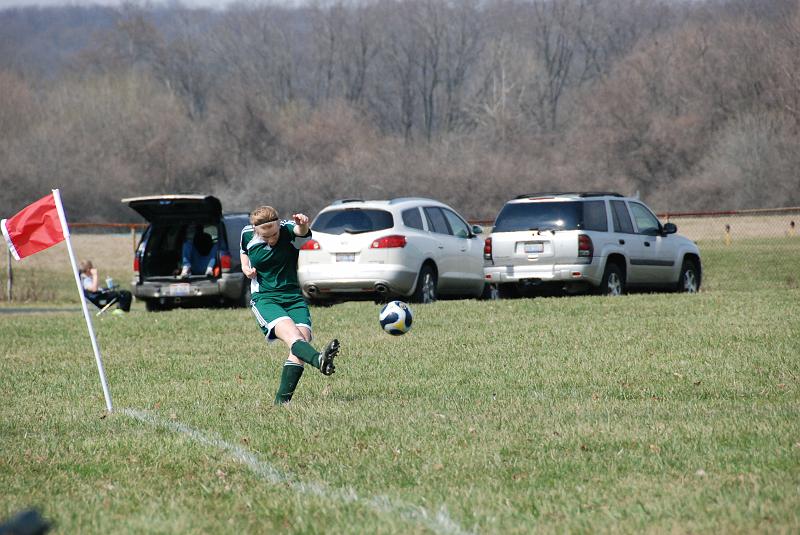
100	297
199	254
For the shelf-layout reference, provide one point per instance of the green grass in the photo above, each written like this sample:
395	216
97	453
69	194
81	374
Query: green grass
746	265
650	412
751	264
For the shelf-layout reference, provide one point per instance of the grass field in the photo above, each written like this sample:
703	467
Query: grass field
645	413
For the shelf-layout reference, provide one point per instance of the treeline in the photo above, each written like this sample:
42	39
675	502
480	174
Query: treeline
693	105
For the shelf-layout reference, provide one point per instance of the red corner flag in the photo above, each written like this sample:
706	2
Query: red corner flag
34	229
42	225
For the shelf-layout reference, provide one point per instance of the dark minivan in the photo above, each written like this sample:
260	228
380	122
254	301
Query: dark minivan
157	277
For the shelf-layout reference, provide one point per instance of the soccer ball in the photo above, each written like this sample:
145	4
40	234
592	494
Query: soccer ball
396	318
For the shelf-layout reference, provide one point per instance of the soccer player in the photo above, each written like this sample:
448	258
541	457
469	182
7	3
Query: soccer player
269	251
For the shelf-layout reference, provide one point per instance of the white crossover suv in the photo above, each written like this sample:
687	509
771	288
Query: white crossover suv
409	247
586	241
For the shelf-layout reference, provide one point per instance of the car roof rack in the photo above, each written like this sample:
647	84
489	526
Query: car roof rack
404	199
576	193
343	201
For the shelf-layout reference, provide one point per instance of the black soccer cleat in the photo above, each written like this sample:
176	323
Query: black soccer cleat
326	357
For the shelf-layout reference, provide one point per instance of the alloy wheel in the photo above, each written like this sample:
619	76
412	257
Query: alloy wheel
614	286
689	281
428	288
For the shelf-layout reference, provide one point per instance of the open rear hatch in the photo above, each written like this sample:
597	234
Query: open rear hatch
177	208
171	219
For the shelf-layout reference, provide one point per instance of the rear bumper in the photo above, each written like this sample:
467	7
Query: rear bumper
321	280
226	288
591	273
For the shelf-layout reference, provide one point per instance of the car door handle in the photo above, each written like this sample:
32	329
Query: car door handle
647	244
622	242
441	246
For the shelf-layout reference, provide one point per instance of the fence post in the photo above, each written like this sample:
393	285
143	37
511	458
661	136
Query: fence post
133	238
10	283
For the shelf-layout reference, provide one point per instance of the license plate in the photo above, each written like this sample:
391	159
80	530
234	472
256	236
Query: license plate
345	257
533	248
179	290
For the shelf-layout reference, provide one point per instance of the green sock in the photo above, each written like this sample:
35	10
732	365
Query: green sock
289	378
306	352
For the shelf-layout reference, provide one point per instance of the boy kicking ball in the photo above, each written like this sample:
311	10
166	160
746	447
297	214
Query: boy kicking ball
269	251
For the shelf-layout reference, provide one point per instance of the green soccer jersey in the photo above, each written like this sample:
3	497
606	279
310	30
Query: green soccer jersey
276	266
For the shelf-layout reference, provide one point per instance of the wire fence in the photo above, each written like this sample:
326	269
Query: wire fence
706	228
741	250
738	248
745	249
134	229
725	228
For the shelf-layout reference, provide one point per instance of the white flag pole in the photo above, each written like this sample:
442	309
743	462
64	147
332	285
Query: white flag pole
65	229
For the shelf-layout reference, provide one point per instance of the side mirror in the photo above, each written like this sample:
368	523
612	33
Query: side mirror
669	228
477	229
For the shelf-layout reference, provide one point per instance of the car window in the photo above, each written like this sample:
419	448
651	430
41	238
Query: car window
412	218
436	220
162	251
353	221
622	221
594	216
212	231
539	216
233	228
457	225
646	222
166	237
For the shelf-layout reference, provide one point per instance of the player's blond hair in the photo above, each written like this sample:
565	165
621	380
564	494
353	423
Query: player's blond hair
263	214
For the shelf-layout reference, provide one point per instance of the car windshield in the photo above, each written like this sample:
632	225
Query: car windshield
353	221
551	216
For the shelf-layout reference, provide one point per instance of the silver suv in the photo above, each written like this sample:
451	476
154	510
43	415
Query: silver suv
410	247
576	242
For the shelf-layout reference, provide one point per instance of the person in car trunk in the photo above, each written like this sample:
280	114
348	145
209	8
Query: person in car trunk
199	254
269	250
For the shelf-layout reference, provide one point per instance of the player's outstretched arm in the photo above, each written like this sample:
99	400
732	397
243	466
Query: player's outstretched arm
300	224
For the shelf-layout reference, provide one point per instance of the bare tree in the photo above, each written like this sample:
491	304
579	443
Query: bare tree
400	57
462	48
328	23
428	18
360	46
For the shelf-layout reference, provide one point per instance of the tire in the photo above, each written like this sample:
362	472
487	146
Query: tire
321	302
425	292
152	305
689	279
508	291
613	282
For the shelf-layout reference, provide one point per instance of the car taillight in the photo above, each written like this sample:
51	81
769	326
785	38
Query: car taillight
585	246
310	245
487	249
136	264
388	242
224	263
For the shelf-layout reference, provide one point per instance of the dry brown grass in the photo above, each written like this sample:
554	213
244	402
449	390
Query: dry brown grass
749	226
108	253
46	276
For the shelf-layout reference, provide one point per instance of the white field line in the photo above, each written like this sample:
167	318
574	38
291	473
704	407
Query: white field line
439	522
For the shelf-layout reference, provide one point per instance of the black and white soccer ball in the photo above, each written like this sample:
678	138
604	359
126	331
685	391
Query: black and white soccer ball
396	318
